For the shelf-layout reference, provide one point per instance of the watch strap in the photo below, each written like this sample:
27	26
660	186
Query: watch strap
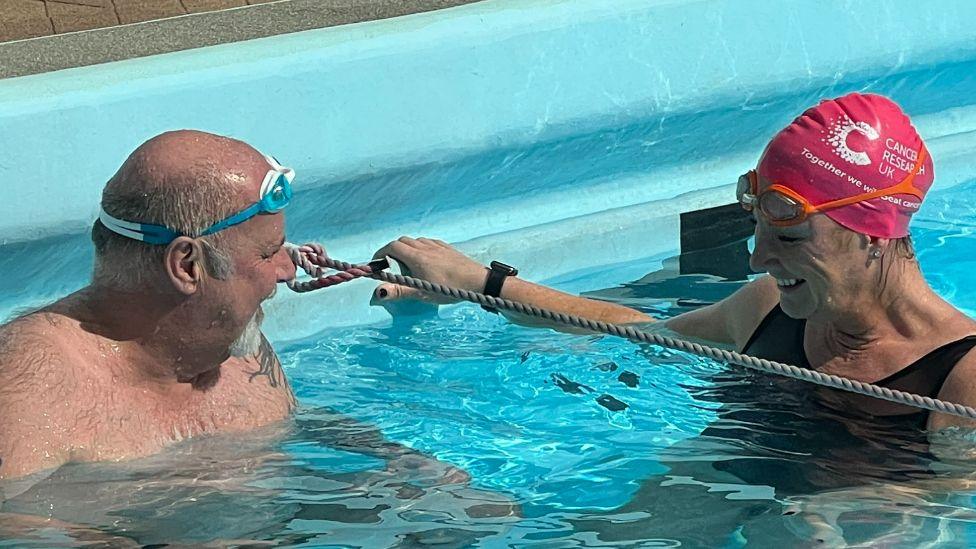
497	274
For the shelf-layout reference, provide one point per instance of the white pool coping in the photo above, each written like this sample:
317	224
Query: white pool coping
342	103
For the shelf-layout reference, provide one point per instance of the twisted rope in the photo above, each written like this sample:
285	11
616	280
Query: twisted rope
311	258
639	336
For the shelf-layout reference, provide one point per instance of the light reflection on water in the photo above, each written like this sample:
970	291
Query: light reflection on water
702	454
226	490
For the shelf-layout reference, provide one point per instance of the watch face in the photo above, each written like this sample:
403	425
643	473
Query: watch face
507	270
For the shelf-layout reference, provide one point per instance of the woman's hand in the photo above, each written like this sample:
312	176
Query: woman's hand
432	260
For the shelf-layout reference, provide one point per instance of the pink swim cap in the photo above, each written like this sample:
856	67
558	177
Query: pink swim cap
848	146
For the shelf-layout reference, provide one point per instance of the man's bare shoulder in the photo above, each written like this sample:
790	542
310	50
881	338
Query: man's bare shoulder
35	347
37	381
38	345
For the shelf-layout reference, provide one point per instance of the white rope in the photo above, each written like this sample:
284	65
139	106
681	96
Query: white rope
313	257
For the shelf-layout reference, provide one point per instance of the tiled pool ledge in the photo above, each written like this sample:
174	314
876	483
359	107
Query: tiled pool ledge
165	28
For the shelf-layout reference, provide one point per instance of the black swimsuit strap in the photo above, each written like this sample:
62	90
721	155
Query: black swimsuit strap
937	365
778	337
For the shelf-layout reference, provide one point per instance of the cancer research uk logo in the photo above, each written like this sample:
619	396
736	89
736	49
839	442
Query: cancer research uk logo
837	139
895	156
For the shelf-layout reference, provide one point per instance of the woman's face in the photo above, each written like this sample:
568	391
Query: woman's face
820	267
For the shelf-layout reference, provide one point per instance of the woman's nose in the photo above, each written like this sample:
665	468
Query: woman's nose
760	252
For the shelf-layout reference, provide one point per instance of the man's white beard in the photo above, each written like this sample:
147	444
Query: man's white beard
249	342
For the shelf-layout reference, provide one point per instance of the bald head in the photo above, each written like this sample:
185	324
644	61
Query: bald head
185	180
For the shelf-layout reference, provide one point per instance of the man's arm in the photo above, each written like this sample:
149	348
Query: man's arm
15	525
25	449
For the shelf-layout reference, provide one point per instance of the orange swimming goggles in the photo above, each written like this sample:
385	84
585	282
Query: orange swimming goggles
784	207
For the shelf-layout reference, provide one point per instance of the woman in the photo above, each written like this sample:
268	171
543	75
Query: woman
832	196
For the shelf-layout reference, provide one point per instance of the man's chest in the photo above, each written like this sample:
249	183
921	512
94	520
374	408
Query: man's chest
248	393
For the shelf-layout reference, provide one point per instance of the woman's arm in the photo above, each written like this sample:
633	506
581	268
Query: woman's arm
729	322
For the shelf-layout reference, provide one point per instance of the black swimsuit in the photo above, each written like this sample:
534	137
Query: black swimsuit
780	338
777	432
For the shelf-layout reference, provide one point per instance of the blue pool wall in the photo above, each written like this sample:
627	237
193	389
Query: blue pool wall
555	135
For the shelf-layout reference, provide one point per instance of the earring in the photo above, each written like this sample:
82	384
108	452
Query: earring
875	253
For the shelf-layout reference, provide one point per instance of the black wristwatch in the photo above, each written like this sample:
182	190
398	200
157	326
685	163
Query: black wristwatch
496	279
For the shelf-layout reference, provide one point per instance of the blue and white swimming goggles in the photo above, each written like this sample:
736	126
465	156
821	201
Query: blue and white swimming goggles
275	194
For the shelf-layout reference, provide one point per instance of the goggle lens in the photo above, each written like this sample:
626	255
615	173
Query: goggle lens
278	196
779	207
744	192
774	205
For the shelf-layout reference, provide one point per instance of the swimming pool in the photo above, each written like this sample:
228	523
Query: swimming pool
602	442
572	428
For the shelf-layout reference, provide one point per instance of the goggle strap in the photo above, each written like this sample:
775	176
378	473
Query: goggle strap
157	234
236	219
920	163
143	232
905	187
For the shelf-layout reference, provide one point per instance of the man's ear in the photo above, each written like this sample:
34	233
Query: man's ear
184	264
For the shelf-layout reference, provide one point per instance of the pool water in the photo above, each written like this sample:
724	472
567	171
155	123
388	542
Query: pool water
593	440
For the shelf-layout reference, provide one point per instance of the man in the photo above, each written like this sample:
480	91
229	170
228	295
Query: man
165	343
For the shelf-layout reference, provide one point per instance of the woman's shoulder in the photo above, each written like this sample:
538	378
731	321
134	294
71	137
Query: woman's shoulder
746	308
732	320
960	386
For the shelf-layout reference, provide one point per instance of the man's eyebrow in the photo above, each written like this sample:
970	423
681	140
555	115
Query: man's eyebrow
271	245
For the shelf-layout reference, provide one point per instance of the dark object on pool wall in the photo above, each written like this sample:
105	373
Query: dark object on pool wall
629	378
606	366
713	241
570	386
611	403
692	303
